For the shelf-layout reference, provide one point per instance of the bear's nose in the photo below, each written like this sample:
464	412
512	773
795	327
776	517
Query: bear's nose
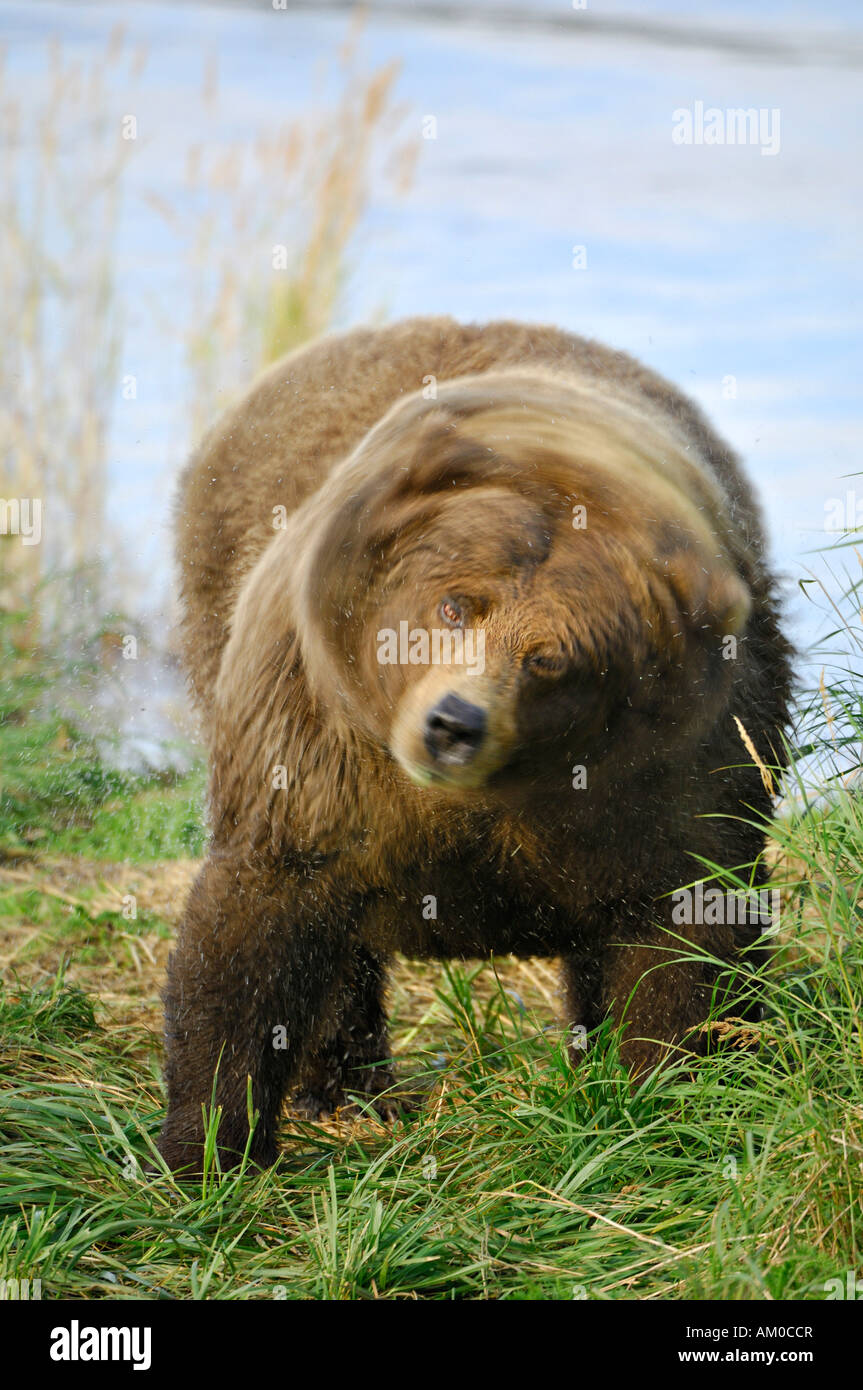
454	730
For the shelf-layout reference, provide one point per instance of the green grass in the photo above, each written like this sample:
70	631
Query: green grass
734	1176
56	793
167	822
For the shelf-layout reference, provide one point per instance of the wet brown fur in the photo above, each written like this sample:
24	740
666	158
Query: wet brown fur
603	649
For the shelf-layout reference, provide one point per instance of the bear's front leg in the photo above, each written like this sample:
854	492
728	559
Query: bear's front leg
260	961
660	999
642	978
355	1058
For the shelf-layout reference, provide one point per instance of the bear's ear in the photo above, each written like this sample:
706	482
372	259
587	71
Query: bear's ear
709	591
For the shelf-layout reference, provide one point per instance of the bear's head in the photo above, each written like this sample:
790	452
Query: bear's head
524	575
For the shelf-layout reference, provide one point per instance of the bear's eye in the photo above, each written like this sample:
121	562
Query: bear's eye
452	613
545	664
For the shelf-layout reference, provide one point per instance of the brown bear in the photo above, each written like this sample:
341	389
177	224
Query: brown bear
469	613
